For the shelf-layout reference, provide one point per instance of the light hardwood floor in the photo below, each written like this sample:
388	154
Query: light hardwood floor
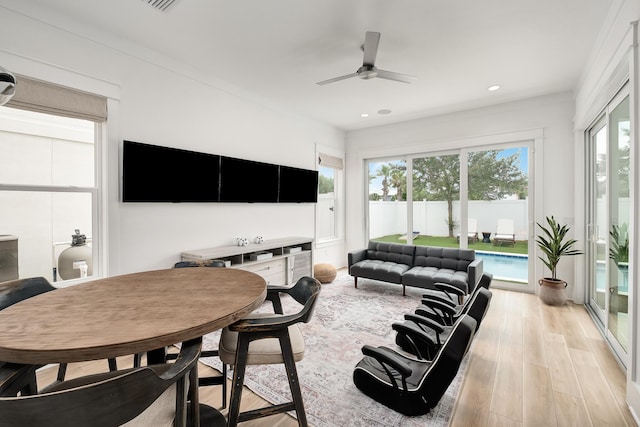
530	365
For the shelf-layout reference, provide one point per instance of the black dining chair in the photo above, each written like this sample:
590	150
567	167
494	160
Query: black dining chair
14	291
149	396
212	379
266	338
17	379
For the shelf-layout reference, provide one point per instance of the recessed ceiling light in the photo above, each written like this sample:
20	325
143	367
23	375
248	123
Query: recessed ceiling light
384	111
364	115
493	88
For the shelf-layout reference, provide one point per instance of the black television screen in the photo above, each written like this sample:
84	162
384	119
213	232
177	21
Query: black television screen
152	173
248	181
298	185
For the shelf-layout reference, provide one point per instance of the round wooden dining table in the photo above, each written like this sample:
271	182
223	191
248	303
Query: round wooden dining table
127	314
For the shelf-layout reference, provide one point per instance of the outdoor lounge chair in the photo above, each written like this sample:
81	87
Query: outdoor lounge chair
505	233
472	231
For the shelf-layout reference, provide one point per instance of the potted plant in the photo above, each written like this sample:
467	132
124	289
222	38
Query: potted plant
554	244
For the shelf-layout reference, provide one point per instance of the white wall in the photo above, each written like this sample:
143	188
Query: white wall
157	101
614	57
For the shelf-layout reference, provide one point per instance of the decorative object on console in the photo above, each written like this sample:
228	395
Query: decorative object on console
76	261
258	240
242	241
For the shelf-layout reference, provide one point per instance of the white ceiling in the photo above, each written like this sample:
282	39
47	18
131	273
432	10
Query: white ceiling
278	49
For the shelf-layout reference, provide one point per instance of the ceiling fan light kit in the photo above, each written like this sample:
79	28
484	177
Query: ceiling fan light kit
369	70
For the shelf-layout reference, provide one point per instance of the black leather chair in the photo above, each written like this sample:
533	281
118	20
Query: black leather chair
148	395
214	379
13	292
264	338
452	294
409	385
17	379
437	329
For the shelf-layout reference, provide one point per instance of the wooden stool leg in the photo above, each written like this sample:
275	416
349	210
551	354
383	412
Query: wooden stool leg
239	369
292	376
224	385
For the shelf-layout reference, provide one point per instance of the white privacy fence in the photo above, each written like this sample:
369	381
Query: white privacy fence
430	217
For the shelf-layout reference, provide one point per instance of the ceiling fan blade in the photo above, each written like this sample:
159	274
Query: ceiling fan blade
336	79
371	41
390	75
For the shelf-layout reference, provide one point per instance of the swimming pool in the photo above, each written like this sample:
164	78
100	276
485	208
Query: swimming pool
505	266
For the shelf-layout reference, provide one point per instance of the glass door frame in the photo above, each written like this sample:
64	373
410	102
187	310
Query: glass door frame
601	315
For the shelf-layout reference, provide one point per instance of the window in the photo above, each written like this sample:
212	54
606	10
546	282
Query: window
329	174
49	190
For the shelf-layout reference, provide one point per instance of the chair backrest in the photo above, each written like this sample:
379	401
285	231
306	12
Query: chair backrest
205	263
143	396
478	305
444	366
15	378
305	292
505	226
485	282
14	291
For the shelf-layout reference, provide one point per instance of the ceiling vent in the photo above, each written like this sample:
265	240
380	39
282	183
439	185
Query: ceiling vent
162	5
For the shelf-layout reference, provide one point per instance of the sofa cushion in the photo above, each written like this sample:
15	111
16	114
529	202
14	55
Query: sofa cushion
392	252
379	270
449	258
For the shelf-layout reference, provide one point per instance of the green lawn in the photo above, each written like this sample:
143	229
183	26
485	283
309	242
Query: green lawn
451	242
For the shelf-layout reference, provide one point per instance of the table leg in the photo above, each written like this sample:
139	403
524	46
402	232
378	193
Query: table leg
194	401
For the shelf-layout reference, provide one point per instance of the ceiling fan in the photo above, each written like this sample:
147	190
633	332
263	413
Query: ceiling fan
369	69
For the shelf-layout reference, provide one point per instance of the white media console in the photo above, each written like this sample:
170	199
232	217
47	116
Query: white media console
279	261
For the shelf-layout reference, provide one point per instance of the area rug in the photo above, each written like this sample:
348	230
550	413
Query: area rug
344	320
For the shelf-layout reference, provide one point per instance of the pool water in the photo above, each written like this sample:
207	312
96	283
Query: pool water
505	266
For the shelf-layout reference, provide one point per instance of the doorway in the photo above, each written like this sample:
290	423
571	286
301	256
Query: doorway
608	209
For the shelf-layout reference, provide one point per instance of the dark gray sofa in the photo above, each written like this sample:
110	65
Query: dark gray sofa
416	266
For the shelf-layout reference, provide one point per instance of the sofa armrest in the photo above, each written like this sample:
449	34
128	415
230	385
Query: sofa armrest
356	256
474	271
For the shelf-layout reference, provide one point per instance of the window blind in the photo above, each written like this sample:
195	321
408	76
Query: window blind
330	161
43	97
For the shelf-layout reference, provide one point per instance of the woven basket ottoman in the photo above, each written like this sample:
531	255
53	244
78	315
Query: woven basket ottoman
325	273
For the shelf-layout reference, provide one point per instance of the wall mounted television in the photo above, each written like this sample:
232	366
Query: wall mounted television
152	173
298	185
248	181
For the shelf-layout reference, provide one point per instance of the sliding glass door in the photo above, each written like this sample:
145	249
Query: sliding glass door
608	222
466	198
